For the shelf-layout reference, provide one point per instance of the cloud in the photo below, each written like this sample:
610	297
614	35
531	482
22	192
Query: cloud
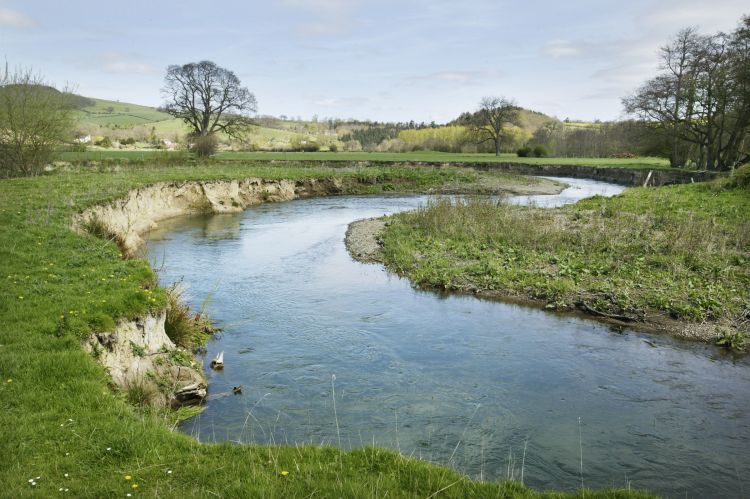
330	17
709	16
334	103
114	62
563	48
460	78
15	19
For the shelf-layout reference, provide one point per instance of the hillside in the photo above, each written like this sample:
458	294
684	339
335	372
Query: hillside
107	112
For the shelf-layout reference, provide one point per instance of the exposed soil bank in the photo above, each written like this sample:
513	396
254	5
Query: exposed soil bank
616	175
138	354
363	241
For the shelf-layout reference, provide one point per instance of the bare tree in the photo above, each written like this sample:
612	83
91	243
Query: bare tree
208	98
493	115
701	99
35	118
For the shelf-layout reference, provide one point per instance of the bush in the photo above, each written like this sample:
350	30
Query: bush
333	148
128	142
104	142
35	119
741	177
205	145
524	152
540	151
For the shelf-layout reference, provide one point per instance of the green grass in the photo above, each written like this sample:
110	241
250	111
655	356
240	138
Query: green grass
106	112
427	157
655	255
62	422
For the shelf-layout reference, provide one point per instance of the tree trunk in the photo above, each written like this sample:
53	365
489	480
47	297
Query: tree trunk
497	146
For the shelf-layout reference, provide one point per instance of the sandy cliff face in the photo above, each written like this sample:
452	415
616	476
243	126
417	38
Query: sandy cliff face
140	211
138	354
144	362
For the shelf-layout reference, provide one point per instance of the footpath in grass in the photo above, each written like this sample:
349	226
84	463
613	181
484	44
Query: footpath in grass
65	432
416	157
672	258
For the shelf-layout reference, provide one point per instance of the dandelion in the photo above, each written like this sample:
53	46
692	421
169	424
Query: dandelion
284	472
169	472
109	449
66	475
9	381
20	297
134	486
128	477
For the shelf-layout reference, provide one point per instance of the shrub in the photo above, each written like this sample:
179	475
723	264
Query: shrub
35	119
524	152
333	148
540	151
205	145
104	142
304	144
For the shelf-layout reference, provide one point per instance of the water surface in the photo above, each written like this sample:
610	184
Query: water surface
451	379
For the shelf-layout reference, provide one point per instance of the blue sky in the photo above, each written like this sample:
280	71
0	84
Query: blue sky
378	59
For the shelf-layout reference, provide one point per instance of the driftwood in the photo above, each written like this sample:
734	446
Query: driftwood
624	318
218	362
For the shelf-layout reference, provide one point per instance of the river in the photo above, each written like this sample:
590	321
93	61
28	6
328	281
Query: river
491	389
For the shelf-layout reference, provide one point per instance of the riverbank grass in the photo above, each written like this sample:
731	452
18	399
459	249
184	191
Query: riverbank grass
64	431
674	258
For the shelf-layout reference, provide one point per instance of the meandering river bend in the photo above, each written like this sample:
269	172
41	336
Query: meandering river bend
488	388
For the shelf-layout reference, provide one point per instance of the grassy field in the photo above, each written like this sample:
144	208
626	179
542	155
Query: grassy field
105	112
426	157
64	431
674	257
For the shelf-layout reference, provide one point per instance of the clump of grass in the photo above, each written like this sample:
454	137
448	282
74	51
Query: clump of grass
732	340
139	393
678	252
186	329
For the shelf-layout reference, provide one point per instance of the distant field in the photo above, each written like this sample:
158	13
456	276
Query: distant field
105	112
427	157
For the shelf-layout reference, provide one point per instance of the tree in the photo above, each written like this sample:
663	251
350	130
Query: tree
35	118
493	115
701	98
209	99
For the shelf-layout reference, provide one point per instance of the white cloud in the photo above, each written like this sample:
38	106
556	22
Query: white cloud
114	62
15	19
709	16
334	103
459	77
563	48
328	17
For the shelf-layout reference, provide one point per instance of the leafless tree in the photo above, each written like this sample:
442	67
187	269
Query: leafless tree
701	98
35	118
493	115
208	98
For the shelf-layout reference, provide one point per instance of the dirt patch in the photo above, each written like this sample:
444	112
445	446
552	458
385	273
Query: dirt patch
363	240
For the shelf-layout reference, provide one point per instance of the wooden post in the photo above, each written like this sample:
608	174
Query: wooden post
648	178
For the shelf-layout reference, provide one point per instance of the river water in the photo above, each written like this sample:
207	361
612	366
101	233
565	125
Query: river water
488	388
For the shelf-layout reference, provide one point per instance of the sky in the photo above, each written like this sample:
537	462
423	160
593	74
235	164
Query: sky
385	60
